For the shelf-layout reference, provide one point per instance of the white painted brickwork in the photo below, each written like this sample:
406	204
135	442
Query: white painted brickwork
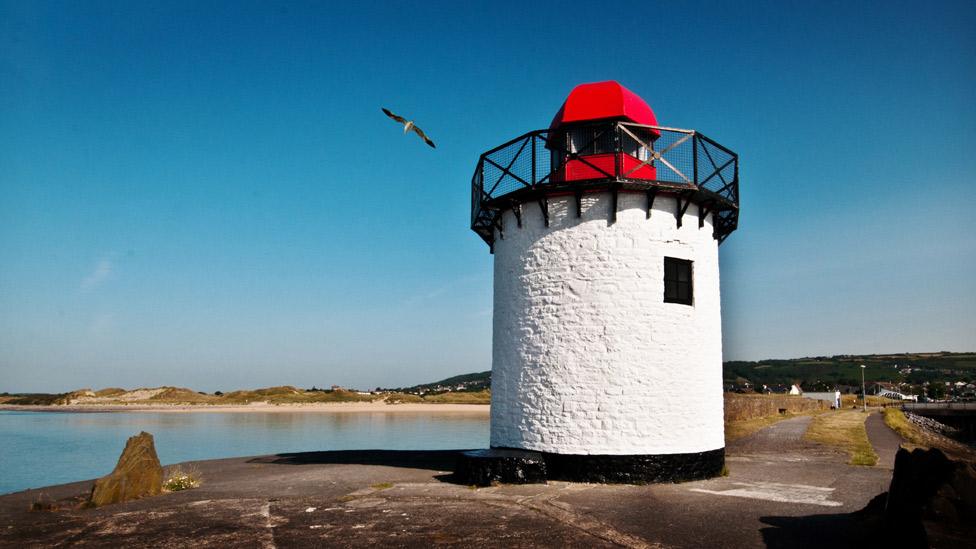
587	356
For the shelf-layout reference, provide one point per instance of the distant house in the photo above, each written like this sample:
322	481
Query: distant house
739	385
880	388
895	395
889	390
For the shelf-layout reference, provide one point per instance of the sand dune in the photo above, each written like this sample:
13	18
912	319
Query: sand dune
263	407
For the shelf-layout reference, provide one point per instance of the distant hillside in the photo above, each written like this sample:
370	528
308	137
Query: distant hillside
182	396
916	372
469	383
465	389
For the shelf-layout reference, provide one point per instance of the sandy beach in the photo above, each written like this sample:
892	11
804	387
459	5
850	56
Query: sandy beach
262	407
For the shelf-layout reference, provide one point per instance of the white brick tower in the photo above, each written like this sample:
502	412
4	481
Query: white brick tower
607	344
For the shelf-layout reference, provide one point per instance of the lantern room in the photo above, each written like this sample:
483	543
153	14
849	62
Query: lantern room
583	143
605	138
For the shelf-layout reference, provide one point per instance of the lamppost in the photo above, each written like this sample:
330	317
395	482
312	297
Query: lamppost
864	392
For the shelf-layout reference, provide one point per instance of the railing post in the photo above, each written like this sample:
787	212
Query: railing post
617	151
476	190
533	181
694	157
735	177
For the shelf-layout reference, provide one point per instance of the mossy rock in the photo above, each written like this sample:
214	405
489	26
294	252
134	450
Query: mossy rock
138	474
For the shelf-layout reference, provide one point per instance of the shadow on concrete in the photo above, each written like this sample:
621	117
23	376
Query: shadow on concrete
818	531
433	460
861	529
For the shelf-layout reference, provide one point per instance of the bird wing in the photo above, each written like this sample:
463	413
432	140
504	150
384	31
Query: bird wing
423	136
399	119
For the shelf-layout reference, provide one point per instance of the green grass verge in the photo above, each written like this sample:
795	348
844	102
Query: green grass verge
894	418
844	429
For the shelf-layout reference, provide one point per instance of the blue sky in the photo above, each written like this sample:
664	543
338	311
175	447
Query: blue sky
206	194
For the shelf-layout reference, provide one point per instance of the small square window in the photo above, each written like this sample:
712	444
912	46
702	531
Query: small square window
677	281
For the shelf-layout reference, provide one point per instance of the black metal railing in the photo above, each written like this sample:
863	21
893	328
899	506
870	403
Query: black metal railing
611	156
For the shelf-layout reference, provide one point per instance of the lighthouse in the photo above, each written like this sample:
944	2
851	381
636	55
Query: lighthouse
607	339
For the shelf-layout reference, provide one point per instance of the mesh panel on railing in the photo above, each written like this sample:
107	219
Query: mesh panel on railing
716	170
543	159
638	143
677	157
507	168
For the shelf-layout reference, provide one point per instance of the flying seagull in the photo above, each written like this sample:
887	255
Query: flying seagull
409	125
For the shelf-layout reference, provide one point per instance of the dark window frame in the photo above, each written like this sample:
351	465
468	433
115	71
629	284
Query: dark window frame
679	281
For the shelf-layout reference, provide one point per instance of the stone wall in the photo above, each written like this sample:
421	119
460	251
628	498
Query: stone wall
587	356
739	407
931	424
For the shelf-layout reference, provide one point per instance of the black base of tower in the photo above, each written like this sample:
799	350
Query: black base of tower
514	466
507	466
637	469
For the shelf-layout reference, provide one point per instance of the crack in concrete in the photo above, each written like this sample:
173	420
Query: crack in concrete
563	512
541	503
267	531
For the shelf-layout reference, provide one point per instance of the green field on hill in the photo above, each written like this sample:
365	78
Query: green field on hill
824	373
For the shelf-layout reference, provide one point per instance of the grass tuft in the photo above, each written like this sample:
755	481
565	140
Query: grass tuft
42	503
179	478
382	485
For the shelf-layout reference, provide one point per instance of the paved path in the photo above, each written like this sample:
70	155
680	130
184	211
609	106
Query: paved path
782	491
884	440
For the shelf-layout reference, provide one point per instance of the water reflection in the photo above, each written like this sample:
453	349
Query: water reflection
77	446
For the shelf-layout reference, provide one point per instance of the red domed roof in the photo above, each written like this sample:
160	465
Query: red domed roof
603	100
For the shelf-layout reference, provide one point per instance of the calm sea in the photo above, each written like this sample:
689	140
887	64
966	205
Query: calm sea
44	448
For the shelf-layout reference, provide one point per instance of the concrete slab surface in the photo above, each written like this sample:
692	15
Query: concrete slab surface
781	491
